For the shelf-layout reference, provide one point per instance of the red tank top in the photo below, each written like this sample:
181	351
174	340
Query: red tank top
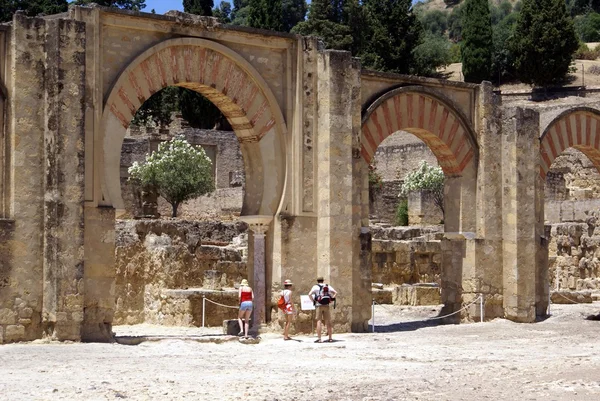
246	296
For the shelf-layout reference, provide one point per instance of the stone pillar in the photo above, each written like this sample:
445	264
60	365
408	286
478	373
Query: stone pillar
99	274
452	188
338	208
259	226
520	160
63	180
21	286
482	267
453	252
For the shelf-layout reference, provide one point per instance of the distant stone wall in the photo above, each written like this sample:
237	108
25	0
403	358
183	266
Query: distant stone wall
400	154
574	262
572	188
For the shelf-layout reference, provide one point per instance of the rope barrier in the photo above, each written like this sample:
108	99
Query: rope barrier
204	299
479	298
226	306
568	299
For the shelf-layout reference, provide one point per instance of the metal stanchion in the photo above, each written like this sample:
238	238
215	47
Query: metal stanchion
481	307
203	308
373	316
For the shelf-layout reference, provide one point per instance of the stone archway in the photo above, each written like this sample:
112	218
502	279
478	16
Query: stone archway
227	80
577	128
430	117
245	99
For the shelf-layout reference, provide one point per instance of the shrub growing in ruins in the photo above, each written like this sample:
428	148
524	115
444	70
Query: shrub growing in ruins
177	170
426	178
402	213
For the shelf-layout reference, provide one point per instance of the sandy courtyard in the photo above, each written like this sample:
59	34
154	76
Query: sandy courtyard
557	359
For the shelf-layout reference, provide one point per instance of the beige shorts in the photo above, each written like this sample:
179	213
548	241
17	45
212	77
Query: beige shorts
323	313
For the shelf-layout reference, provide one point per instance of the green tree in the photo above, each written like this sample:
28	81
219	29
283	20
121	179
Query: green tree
326	19
136	5
31	8
223	12
588	27
198	7
159	108
239	13
426	178
435	21
177	170
503	59
394	34
544	42
265	14
455	24
294	11
498	13
197	110
477	42
433	53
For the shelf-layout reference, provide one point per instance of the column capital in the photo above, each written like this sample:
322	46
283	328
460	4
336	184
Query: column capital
258	224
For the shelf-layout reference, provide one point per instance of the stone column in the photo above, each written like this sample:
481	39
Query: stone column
520	160
64	180
259	226
340	204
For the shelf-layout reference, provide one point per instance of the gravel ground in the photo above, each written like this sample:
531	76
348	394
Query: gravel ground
556	359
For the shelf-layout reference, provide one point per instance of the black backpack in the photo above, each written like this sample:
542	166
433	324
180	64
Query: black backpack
323	297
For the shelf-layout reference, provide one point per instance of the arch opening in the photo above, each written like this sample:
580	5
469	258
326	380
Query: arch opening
226	80
570	171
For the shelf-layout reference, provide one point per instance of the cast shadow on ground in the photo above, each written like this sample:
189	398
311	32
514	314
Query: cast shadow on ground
406	326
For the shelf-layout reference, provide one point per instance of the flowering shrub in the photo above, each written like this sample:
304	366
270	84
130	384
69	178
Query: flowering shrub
426	178
177	170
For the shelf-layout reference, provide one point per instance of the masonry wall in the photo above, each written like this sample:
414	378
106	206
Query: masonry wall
41	290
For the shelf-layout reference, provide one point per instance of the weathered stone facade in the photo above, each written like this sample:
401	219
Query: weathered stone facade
164	267
308	120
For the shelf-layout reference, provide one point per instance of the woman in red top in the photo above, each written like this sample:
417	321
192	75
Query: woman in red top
246	297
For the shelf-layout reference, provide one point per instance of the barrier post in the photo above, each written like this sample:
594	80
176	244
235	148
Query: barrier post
481	307
203	308
549	300
373	316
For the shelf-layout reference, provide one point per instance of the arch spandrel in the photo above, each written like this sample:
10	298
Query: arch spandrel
228	81
575	128
425	115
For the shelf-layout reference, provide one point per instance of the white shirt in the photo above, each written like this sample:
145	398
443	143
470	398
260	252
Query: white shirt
287	295
317	288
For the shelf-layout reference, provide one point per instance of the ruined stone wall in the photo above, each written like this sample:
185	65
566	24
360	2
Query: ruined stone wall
574	261
401	153
396	156
572	188
156	260
222	147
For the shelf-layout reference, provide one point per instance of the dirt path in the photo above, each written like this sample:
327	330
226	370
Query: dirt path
557	359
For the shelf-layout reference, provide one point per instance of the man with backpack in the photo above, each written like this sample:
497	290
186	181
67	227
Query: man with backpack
322	296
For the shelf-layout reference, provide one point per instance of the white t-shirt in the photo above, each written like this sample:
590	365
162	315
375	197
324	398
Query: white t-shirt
287	296
314	291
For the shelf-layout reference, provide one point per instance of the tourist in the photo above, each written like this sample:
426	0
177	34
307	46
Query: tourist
246	297
288	310
322	295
